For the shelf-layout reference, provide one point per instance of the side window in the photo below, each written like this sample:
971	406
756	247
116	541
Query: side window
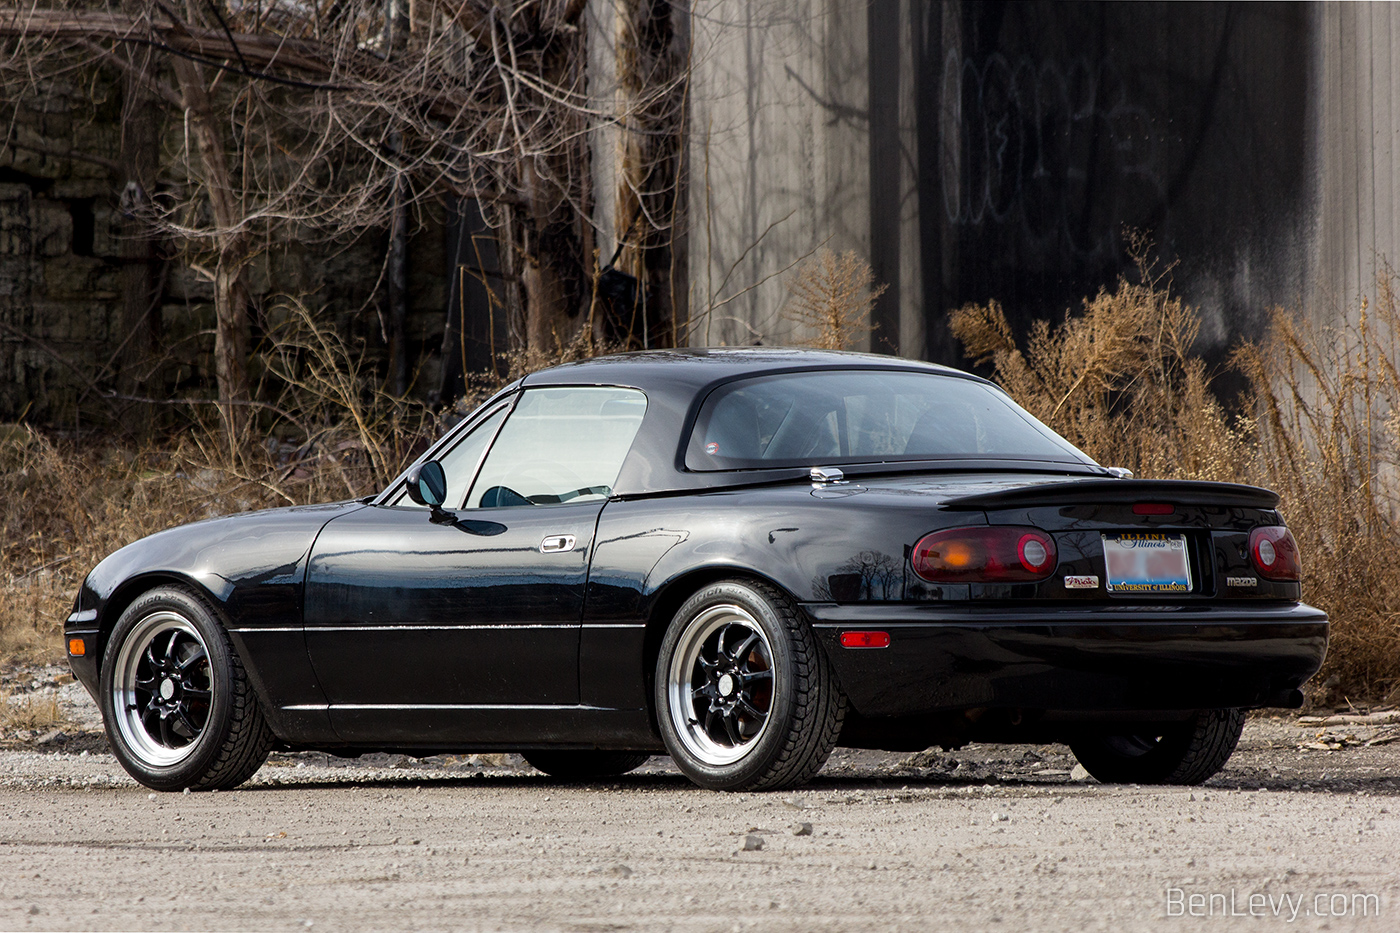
460	462
559	445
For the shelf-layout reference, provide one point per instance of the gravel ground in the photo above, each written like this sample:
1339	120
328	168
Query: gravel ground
1305	820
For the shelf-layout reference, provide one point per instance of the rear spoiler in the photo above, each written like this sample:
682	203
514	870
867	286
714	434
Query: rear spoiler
1089	491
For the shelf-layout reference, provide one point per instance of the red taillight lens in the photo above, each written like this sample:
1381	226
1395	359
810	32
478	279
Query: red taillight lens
1275	553
990	554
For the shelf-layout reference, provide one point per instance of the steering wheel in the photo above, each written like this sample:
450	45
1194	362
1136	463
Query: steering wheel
498	497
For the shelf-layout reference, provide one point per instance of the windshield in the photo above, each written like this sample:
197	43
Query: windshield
862	416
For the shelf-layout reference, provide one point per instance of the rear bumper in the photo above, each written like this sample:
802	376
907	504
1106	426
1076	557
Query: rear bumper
944	657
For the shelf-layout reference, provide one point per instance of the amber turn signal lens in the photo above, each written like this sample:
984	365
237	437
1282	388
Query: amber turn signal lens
77	647
958	555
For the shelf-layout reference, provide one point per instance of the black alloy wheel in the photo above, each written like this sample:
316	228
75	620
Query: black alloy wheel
178	709
745	698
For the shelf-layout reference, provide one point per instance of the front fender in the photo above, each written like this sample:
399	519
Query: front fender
252	565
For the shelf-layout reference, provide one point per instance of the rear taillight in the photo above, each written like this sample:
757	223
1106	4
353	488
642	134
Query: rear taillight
989	554
1275	553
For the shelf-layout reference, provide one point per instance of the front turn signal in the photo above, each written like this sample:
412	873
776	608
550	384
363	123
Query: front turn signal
77	647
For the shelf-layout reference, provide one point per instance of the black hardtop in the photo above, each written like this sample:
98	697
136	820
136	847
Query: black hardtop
690	369
676	381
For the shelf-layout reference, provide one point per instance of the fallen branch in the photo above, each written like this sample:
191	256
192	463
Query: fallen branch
1379	718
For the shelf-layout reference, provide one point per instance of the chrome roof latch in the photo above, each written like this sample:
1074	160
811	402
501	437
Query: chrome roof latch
827	475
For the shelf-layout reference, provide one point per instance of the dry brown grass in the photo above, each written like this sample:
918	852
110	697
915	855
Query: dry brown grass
331	433
1326	435
1119	380
832	298
29	714
67	505
352	436
1320	425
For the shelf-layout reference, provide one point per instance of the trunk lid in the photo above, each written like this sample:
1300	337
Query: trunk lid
1200	530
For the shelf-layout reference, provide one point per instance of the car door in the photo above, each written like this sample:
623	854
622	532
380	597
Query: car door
462	625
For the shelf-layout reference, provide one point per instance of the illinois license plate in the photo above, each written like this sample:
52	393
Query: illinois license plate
1146	562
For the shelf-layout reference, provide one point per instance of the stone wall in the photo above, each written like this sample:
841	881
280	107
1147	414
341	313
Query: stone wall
59	272
71	332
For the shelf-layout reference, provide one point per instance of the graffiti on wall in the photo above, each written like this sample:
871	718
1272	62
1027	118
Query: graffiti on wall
1059	152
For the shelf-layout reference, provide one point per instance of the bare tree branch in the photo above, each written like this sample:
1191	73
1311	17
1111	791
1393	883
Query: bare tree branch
319	124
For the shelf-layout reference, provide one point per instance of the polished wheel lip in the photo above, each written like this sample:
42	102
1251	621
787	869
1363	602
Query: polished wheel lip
152	636
688	667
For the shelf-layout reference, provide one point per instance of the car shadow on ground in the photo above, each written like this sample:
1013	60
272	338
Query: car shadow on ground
1265	762
890	785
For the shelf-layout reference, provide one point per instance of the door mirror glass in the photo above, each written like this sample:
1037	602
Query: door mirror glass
427	484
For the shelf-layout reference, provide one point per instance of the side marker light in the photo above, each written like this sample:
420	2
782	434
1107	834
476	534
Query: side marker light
865	639
77	647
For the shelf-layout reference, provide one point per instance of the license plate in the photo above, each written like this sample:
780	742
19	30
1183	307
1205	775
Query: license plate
1146	562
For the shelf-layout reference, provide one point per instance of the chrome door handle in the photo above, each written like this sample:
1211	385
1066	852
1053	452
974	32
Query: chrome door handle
557	544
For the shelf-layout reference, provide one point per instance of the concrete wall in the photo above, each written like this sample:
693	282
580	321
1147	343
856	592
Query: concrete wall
1357	220
779	155
978	151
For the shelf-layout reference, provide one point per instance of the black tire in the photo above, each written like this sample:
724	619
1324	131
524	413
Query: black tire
176	703
1183	753
745	698
584	765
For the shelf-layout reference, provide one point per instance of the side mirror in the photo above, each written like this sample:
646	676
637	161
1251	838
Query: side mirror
427	485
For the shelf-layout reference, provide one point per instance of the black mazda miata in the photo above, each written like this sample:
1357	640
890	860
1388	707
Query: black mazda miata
740	558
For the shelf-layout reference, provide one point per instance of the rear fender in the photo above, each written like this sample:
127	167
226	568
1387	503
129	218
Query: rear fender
652	554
